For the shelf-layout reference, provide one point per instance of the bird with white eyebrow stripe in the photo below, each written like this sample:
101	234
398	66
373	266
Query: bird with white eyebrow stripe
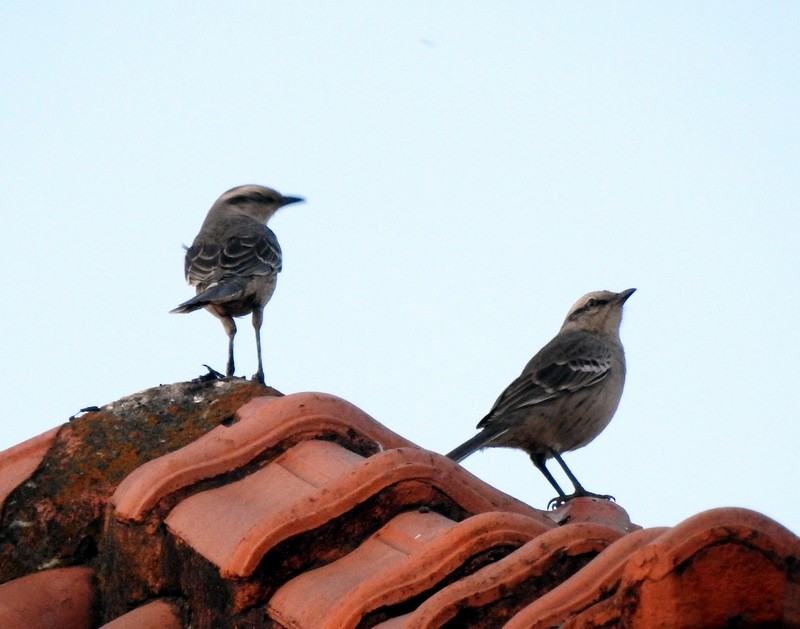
234	261
566	394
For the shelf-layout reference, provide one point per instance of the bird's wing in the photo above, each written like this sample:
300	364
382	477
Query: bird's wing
558	370
254	253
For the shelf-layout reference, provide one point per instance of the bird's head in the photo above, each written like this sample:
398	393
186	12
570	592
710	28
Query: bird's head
599	311
256	202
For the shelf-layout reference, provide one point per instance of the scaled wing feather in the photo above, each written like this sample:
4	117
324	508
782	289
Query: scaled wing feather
561	376
240	256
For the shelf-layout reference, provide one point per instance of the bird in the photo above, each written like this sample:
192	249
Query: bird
234	261
566	394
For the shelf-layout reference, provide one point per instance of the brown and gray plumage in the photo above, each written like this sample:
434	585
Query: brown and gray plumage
235	259
567	393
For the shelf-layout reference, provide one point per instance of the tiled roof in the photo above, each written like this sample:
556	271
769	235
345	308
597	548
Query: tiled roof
225	504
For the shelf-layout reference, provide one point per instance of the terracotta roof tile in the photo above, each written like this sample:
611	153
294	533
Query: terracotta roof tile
595	510
308	486
501	588
260	510
222	504
156	615
20	461
61	598
262	424
677	577
413	553
55	520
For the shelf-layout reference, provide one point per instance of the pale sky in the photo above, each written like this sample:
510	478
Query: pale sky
471	169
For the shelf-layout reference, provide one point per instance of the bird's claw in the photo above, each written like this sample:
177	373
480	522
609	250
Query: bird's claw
560	501
212	374
258	377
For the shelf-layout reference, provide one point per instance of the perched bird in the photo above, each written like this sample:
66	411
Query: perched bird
235	259
567	393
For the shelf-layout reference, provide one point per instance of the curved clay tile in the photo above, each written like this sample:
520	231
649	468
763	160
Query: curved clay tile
60	598
587	586
595	510
155	615
314	515
262	423
236	524
20	461
410	555
721	567
521	576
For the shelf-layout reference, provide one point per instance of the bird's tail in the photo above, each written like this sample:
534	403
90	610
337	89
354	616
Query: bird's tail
190	306
481	440
216	294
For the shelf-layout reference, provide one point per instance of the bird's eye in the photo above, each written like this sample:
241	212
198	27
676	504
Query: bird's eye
263	198
592	303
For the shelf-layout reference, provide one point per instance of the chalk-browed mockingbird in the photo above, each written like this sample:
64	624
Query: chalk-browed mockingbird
235	259
567	393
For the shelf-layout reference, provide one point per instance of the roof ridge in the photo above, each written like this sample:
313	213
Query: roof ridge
212	505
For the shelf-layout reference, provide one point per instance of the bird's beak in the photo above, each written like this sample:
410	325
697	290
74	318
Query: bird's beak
288	200
623	296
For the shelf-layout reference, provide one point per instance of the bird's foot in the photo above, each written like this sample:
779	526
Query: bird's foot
560	501
212	374
258	377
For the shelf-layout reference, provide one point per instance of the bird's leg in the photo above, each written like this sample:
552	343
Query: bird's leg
579	490
258	316
539	462
230	329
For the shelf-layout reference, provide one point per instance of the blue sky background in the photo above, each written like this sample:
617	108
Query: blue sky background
471	169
